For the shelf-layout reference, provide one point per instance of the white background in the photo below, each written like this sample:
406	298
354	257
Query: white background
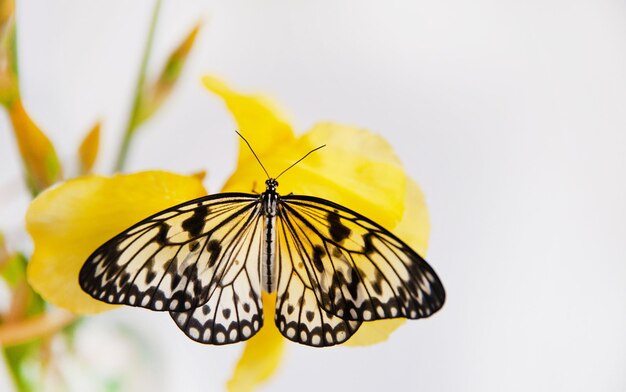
510	115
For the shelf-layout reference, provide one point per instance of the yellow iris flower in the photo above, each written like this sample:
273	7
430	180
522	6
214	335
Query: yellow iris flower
357	169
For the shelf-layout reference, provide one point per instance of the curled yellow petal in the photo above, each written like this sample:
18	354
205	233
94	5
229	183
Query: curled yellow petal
41	163
88	150
414	229
262	353
68	222
258	119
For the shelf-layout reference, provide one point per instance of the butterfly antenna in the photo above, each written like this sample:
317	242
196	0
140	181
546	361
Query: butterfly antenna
254	153
298	161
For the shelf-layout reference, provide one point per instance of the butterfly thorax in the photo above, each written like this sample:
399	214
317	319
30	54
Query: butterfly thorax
269	198
269	203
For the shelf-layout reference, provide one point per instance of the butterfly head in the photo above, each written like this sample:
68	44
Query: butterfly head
271	184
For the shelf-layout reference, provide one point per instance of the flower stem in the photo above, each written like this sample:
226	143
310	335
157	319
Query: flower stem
139	91
45	324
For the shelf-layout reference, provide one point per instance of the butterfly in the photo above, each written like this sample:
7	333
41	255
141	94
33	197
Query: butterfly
207	262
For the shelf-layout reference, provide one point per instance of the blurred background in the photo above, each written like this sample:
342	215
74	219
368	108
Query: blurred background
510	115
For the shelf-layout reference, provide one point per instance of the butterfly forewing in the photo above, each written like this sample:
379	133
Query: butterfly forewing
357	269
174	259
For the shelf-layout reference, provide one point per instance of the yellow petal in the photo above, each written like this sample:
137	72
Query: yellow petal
40	159
374	332
357	169
88	150
414	229
258	119
262	353
68	222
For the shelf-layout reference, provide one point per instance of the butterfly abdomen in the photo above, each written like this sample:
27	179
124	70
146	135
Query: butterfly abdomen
269	200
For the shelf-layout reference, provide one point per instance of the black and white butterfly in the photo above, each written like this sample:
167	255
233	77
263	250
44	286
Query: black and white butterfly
207	261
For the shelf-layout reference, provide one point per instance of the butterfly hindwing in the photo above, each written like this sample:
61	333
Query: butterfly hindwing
174	259
233	311
299	316
357	269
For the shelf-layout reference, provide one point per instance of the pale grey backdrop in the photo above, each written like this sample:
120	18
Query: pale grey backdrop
510	115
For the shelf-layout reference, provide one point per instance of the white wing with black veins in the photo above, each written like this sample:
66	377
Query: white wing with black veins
356	269
234	310
201	261
179	258
299	316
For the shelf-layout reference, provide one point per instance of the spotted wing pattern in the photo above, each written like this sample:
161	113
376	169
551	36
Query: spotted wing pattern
200	261
299	316
178	258
234	310
357	270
